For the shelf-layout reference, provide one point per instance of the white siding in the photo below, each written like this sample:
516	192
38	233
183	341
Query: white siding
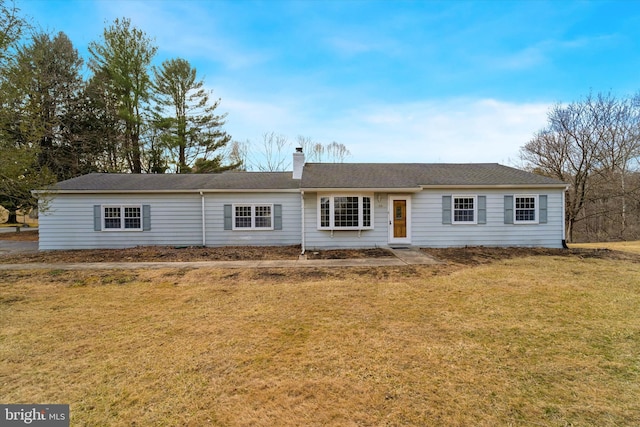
427	229
176	220
291	220
68	222
325	239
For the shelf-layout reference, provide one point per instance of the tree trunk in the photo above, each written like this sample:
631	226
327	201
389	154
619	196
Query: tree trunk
623	219
13	217
570	223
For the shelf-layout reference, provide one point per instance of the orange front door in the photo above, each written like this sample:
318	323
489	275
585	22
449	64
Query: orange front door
399	218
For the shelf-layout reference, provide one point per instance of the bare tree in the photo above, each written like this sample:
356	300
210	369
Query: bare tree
566	150
620	148
333	152
594	146
271	155
313	151
275	153
336	152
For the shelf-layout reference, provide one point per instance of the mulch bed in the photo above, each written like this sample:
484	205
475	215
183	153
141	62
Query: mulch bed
474	255
349	253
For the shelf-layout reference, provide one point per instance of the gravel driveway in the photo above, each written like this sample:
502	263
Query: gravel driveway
9	247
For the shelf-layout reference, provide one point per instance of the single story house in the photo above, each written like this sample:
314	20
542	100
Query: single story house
317	206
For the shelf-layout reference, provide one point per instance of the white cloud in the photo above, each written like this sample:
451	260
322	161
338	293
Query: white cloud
455	130
459	130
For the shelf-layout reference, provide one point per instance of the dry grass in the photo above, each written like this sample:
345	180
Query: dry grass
544	340
616	246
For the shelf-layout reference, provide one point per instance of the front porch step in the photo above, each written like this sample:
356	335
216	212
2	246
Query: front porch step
413	255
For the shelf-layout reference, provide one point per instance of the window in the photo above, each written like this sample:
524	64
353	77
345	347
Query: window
525	209
351	212
366	211
263	217
252	217
345	212
122	218
464	209
324	212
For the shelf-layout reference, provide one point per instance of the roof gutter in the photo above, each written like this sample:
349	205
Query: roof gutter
188	191
362	190
493	186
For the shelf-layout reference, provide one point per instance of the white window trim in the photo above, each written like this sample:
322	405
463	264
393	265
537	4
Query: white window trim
475	208
332	197
122	218
537	209
253	216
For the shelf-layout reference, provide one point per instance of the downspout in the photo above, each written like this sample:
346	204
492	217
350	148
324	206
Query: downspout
204	229
302	220
564	221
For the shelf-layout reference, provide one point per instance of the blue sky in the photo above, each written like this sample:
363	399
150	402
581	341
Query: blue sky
395	81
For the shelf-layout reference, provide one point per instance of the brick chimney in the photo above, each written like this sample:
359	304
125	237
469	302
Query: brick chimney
298	163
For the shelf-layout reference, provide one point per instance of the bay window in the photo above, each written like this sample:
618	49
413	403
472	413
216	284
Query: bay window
345	212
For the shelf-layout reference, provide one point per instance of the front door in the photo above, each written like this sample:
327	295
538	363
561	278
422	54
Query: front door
399	219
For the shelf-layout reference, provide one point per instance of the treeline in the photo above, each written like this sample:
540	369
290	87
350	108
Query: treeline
594	145
126	116
62	116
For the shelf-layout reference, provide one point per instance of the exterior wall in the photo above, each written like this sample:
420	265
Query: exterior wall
427	229
343	239
176	220
68	222
291	220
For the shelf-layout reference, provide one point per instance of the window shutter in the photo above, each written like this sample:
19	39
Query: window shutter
146	217
446	209
542	200
508	209
97	218
277	217
228	219
482	209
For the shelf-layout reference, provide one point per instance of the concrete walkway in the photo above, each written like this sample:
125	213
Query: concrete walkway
402	257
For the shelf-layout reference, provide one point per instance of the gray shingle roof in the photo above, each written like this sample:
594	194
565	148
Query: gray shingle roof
414	175
317	176
180	182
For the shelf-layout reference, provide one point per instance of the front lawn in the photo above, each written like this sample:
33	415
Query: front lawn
538	340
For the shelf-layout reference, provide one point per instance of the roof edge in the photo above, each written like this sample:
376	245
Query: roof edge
189	191
362	189
496	186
